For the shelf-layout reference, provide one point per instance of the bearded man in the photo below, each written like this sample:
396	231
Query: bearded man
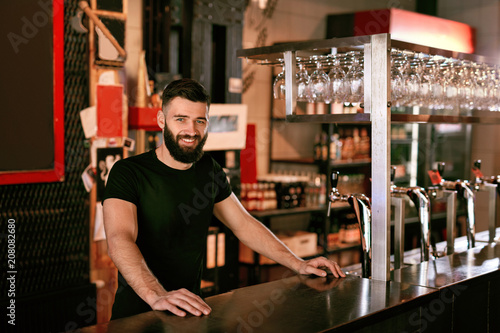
158	207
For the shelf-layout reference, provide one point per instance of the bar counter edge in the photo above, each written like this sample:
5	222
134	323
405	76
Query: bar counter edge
455	293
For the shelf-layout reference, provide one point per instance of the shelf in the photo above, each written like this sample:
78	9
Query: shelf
309	160
294	211
347	118
283	212
271	54
351	163
338	164
477	117
346	163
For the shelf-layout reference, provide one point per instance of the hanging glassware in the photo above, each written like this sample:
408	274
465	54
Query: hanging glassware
353	86
279	82
397	82
318	83
302	78
337	76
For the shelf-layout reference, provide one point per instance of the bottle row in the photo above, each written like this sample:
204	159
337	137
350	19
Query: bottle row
333	108
346	145
285	191
346	233
279	191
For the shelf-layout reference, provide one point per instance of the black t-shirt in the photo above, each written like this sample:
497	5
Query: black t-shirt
174	210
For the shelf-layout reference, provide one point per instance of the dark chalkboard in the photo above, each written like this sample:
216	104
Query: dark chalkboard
110	5
31	95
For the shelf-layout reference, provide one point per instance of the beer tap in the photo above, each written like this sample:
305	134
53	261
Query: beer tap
438	192
362	209
481	183
419	197
465	192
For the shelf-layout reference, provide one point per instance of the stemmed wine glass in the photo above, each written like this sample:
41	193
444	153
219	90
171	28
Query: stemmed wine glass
425	70
413	82
492	90
495	92
279	82
318	83
302	78
353	86
336	76
466	87
451	84
436	81
483	87
397	82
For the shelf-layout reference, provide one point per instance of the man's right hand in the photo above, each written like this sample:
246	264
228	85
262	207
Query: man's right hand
178	300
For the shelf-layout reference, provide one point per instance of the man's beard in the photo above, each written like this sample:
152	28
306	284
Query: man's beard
183	154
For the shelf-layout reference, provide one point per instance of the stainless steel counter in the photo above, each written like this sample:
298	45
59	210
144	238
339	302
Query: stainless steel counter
452	269
456	293
294	304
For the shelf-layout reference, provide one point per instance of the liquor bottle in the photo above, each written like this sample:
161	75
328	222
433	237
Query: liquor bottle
364	143
324	147
317	148
356	140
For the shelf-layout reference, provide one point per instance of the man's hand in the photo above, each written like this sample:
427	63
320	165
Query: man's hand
319	266
176	300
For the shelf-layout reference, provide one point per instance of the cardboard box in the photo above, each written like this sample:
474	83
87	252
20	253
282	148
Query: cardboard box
302	243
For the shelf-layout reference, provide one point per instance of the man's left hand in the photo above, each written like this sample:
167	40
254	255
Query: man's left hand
319	266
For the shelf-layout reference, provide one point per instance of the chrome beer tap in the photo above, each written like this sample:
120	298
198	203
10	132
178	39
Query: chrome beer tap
362	208
465	192
438	192
481	183
419	197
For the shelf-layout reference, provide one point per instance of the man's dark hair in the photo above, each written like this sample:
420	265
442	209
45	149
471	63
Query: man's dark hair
189	89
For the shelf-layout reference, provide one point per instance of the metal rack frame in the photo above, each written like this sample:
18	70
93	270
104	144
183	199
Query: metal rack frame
377	110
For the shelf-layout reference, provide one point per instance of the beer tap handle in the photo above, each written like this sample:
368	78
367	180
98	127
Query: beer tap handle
476	170
335	179
477	164
334	183
440	168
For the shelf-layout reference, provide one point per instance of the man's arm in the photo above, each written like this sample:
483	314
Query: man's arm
256	236
120	223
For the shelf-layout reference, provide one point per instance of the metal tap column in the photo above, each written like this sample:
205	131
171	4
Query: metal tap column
492	209
377	90
399	231
290	83
451	220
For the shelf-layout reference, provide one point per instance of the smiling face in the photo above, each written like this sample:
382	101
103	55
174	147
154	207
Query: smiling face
185	129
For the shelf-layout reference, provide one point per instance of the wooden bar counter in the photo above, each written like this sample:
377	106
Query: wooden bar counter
456	293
